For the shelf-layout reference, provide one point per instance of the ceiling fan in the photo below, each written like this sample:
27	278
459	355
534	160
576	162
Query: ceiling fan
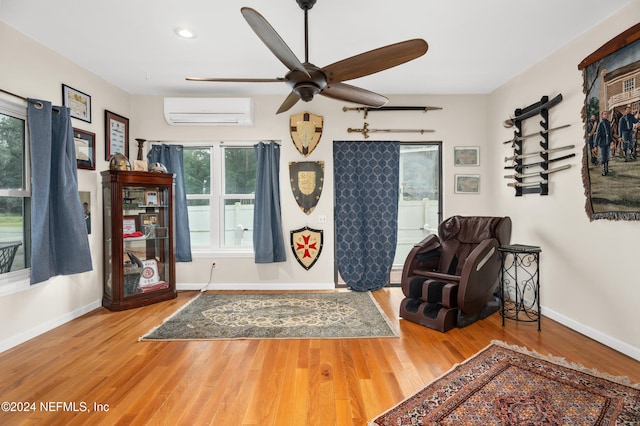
307	80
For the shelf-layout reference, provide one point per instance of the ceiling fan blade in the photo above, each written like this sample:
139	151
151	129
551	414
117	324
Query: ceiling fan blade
290	101
348	93
238	80
375	60
272	39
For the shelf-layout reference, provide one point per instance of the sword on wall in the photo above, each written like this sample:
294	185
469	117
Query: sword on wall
366	110
541	172
527	184
539	163
366	130
521	138
534	154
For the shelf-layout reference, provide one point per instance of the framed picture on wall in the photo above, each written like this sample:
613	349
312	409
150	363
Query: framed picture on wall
116	140
467	184
85	143
466	156
79	103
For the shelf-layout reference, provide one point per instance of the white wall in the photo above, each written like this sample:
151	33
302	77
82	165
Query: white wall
447	123
30	70
587	278
588	269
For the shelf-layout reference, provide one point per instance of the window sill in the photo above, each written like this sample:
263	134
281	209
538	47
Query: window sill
14	282
209	253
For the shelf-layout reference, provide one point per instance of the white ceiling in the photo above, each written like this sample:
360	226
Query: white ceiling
474	46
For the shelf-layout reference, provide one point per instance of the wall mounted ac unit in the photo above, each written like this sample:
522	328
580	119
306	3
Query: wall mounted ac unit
208	111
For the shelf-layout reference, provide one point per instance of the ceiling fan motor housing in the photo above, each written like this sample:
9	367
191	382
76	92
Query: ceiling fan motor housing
306	4
304	86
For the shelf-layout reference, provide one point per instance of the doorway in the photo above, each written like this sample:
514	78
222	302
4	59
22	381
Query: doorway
419	202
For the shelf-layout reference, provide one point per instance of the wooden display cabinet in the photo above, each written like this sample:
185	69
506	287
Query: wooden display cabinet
139	258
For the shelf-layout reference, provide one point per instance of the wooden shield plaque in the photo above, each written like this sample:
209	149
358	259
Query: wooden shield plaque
305	130
306	244
307	178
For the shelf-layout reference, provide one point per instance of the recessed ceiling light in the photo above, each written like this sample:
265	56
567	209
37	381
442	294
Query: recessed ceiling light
185	32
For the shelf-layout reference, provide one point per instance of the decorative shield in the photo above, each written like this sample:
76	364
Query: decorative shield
305	130
306	244
307	178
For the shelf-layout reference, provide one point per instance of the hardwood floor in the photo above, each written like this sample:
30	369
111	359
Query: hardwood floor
97	359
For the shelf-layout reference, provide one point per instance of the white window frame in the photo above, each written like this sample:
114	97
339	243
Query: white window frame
216	199
15	281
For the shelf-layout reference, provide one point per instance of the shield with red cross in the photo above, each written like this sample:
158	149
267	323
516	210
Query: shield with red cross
306	244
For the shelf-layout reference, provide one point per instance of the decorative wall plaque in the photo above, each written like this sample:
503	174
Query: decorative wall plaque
307	179
305	130
306	244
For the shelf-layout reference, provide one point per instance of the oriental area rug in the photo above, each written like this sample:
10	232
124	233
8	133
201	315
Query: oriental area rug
506	385
300	315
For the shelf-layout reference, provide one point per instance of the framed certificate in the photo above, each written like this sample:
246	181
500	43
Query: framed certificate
116	135
467	184
151	197
78	103
466	156
129	225
85	143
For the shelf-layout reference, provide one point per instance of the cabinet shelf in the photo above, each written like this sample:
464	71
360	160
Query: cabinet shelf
139	270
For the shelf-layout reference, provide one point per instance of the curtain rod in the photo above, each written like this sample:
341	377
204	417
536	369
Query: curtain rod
13	94
38	104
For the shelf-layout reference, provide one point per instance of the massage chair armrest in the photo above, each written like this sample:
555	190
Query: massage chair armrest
482	258
479	275
424	255
440	276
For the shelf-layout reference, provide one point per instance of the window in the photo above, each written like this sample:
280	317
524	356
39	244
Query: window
15	210
220	184
629	85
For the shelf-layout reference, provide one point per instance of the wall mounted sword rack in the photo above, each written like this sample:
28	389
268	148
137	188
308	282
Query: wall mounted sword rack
523	184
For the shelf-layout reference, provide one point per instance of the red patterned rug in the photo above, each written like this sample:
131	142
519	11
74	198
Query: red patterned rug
507	385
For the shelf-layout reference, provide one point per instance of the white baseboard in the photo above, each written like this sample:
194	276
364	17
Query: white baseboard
256	286
47	326
609	341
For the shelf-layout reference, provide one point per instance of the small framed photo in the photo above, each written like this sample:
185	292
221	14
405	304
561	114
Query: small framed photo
79	103
116	138
85	143
148	219
151	197
467	184
129	224
466	155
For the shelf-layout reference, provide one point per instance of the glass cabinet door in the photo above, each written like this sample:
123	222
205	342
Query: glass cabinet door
145	239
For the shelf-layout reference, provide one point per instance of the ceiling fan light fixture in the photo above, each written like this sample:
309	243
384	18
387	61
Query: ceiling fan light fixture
185	32
306	90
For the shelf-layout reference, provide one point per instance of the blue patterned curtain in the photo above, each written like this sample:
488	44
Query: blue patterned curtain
366	211
59	241
171	156
268	242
